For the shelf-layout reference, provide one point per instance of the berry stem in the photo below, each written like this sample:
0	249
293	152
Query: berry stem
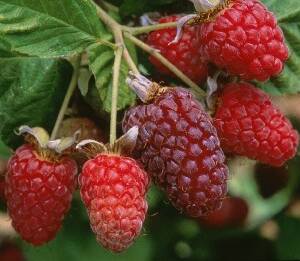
70	91
148	28
115	91
166	63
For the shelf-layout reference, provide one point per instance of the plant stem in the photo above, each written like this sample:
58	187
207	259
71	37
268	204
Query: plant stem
147	29
131	64
166	63
70	91
117	31
107	43
114	96
110	6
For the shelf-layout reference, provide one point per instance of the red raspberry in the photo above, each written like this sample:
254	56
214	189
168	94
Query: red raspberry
233	213
113	188
38	193
179	147
249	125
185	54
245	40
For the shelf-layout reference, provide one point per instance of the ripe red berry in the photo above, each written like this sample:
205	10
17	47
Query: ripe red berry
245	39
38	193
113	189
233	213
249	125
185	54
179	147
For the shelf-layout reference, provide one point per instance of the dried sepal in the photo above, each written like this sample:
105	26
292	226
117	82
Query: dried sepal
180	24
91	148
145	89
39	134
65	143
126	144
212	88
123	146
40	138
148	19
203	6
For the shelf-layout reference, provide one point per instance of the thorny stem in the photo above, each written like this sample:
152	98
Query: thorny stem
166	63
114	96
70	91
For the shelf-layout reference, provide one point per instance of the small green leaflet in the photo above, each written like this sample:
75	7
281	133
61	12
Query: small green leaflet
31	93
101	60
48	28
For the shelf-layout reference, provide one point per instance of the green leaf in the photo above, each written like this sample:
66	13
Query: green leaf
101	60
31	92
288	14
48	28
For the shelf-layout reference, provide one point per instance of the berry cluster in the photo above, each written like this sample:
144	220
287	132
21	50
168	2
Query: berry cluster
243	39
41	178
169	138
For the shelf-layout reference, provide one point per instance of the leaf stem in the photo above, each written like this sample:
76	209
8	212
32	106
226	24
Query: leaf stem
166	63
114	96
70	91
148	28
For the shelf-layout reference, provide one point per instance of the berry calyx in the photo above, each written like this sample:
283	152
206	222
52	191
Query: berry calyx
248	124
113	189
178	146
38	188
184	54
